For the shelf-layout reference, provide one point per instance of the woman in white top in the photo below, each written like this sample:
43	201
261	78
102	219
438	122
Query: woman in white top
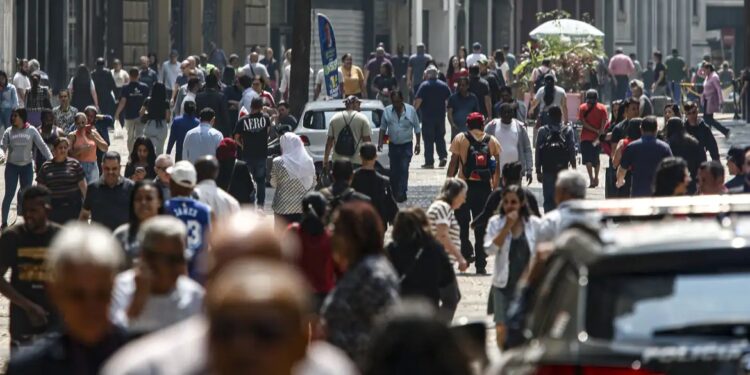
293	176
511	237
443	220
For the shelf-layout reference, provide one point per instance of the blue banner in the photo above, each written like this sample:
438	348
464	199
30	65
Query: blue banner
328	56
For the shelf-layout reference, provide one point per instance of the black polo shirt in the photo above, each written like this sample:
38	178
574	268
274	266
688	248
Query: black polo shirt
109	206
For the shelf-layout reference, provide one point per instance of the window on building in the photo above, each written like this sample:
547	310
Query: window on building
621	5
622	10
696	5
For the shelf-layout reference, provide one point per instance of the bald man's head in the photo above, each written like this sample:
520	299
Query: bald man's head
248	234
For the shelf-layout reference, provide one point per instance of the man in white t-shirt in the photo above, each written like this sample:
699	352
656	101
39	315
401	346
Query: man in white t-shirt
221	203
254	68
22	82
475	56
513	139
156	293
556	98
321	93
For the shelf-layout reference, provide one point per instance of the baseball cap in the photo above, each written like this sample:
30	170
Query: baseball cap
476	45
183	174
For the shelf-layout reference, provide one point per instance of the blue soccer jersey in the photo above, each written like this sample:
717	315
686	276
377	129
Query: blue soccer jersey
197	218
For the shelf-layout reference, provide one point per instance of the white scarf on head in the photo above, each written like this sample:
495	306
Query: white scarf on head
297	161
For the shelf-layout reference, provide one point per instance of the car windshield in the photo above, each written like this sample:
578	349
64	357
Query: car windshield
639	307
320	119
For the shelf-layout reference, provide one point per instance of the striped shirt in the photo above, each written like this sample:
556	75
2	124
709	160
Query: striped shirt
289	190
62	178
440	212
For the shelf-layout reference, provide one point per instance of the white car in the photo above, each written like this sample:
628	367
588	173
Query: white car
316	118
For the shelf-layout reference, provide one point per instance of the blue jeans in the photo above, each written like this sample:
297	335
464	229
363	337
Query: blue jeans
258	170
400	156
14	174
90	170
5	118
676	90
548	190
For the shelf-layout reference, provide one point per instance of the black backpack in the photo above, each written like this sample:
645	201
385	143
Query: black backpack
477	165
346	145
554	151
539	80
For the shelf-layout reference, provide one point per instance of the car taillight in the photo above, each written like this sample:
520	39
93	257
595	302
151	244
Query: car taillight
386	139
305	140
590	370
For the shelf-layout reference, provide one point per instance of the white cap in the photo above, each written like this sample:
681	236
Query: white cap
183	174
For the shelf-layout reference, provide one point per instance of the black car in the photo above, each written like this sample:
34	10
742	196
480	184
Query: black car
669	297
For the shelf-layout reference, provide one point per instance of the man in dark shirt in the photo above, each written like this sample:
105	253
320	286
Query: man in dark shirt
82	262
212	97
618	132
108	199
491	77
698	129
735	165
431	100
400	62
180	126
251	133
24	250
481	89
547	168
460	105
374	185
285	118
131	100
341	191
643	156
147	75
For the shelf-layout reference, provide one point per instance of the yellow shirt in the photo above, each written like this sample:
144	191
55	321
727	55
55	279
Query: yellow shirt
352	80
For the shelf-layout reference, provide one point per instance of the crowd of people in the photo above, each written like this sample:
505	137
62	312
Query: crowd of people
167	264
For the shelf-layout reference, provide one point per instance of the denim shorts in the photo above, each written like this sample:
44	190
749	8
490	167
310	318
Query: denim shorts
91	170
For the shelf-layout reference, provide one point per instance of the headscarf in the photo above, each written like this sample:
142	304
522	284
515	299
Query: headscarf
297	161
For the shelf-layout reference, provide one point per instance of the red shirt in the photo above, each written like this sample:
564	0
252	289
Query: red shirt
316	259
594	118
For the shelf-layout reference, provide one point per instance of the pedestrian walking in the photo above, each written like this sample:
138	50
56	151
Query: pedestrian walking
179	128
82	89
293	176
511	237
548	96
481	89
132	97
511	175
108	198
85	141
105	86
593	116
368	285
570	188
620	68
146	201
8	100
251	133
21	81
203	139
64	113
163	162
443	222
676	73
212	97
700	130
347	131
221	203
31	311
341	190
713	98
384	84
37	100
456	70
431	100
735	163
422	264
156	112
671	178
645	106
633	133
66	181
671	110
401	123
711	178
659	87
18	145
102	124
49	133
354	79
539	74
81	260
514	141
146	73
643	156
685	146
196	215
460	105
170	70
234	175
476	55
471	154
368	181
374	67
141	161
155	293
555	152
416	68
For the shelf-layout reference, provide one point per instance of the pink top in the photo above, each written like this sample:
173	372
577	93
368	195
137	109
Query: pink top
621	65
712	93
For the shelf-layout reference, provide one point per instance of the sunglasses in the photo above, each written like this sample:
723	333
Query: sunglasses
154	256
269	331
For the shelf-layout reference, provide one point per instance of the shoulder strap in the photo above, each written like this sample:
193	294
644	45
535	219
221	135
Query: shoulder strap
413	264
231	177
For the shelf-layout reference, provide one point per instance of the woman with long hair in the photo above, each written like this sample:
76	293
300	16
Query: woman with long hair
685	146
462	53
146	201
293	175
157	114
142	160
259	86
153	62
672	178
84	142
368	285
455	71
82	89
443	222
422	263
66	181
8	100
18	143
633	133
511	236
354	78
385	83
315	258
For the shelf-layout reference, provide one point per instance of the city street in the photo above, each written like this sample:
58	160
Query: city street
424	185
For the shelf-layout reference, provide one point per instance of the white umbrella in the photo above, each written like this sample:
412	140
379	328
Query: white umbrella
566	27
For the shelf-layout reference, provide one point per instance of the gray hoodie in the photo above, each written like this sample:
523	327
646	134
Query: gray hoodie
18	145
